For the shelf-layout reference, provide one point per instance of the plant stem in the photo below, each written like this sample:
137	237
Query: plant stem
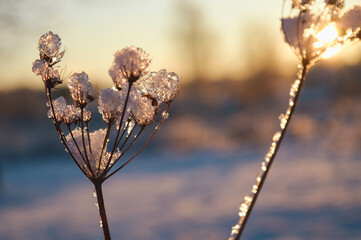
272	153
101	206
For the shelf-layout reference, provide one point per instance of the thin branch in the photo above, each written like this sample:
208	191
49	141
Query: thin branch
76	144
123	132
87	130
275	146
102	213
83	139
128	136
108	167
104	144
141	149
121	120
59	130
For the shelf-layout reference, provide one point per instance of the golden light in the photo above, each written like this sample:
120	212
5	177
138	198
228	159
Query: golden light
326	36
330	52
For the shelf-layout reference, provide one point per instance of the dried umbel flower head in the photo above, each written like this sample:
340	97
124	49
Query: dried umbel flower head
49	46
81	90
162	86
350	21
59	106
110	104
317	31
39	67
143	111
126	109
129	65
92	159
71	114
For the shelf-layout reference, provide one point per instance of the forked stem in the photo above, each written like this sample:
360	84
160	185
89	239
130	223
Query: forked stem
250	201
102	213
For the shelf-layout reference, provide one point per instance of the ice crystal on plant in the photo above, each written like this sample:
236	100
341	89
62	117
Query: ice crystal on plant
129	64
351	19
165	114
87	115
294	28
59	106
314	33
162	85
123	108
110	104
319	31
143	111
49	46
39	67
52	77
71	114
81	90
93	156
130	126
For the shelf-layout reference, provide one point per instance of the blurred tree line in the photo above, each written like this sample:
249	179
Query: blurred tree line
222	115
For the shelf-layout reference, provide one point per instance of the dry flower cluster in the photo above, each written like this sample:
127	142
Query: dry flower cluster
127	109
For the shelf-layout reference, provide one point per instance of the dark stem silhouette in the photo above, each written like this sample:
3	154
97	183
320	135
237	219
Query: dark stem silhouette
102	213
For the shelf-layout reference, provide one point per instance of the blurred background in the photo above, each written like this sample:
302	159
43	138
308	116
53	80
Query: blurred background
235	73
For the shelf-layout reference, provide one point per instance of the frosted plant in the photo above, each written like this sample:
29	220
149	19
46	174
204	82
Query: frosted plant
137	100
315	30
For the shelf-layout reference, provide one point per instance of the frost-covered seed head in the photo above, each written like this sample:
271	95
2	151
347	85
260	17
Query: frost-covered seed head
96	141
351	19
80	89
143	112
162	85
50	76
39	67
294	28
71	114
49	45
129	64
59	106
321	31
87	115
110	104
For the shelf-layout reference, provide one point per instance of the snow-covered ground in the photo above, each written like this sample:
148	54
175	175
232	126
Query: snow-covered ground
161	196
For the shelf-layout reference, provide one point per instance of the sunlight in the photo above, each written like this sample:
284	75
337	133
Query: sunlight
328	34
325	37
330	52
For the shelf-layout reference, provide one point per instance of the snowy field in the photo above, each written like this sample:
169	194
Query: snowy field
161	196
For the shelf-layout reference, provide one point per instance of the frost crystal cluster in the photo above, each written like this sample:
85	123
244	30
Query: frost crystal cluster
129	65
319	29
127	109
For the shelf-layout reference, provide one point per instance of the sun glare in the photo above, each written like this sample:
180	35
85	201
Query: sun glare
325	37
328	34
330	52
